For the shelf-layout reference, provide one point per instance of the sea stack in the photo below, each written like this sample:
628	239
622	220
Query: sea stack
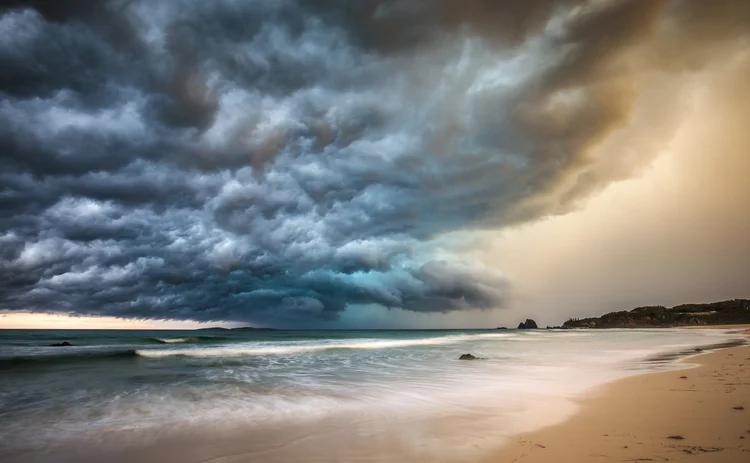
529	324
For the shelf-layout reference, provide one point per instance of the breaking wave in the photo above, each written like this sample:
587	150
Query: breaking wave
175	340
297	348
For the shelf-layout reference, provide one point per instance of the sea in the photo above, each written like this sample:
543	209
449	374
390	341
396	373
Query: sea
277	396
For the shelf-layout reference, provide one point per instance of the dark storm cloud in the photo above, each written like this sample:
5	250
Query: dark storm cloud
278	161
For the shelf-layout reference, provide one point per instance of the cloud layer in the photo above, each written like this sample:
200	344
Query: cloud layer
279	161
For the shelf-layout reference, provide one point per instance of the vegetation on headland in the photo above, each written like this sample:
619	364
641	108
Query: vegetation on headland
735	311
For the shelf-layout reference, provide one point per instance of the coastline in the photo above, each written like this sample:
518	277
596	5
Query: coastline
528	398
632	419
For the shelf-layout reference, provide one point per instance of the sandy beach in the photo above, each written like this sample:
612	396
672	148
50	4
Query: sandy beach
700	414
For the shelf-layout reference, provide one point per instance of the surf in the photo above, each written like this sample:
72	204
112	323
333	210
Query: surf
300	348
193	340
174	340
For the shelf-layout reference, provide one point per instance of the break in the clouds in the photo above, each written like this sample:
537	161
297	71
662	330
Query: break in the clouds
279	161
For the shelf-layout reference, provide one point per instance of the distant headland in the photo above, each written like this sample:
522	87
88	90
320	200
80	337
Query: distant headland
732	312
241	328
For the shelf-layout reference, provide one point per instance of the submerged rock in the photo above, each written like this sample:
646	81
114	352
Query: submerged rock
529	324
62	344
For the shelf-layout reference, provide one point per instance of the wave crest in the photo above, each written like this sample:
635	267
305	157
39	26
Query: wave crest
256	349
175	340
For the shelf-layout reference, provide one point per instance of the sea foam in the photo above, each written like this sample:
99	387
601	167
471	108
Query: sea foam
307	346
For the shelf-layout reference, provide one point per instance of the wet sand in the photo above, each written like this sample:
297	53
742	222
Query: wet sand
739	328
699	415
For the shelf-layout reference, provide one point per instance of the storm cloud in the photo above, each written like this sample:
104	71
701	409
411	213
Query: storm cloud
277	162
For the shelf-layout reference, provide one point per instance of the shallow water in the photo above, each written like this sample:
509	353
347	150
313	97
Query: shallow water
332	396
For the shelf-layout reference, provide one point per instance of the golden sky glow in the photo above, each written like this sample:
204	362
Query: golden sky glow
677	233
21	320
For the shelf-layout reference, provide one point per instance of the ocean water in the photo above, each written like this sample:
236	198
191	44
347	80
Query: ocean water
328	395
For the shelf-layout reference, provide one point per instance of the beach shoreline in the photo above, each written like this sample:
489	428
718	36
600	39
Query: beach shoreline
742	328
697	414
571	371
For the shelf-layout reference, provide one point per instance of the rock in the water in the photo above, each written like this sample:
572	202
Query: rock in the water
61	344
529	324
469	357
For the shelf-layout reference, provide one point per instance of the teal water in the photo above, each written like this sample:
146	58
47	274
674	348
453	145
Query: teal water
124	385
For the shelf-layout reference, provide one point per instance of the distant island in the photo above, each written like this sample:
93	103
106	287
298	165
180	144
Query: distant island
241	328
732	312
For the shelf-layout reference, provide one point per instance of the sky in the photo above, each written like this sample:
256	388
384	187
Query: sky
371	164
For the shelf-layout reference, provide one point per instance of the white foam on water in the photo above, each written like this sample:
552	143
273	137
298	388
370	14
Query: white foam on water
249	349
175	340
